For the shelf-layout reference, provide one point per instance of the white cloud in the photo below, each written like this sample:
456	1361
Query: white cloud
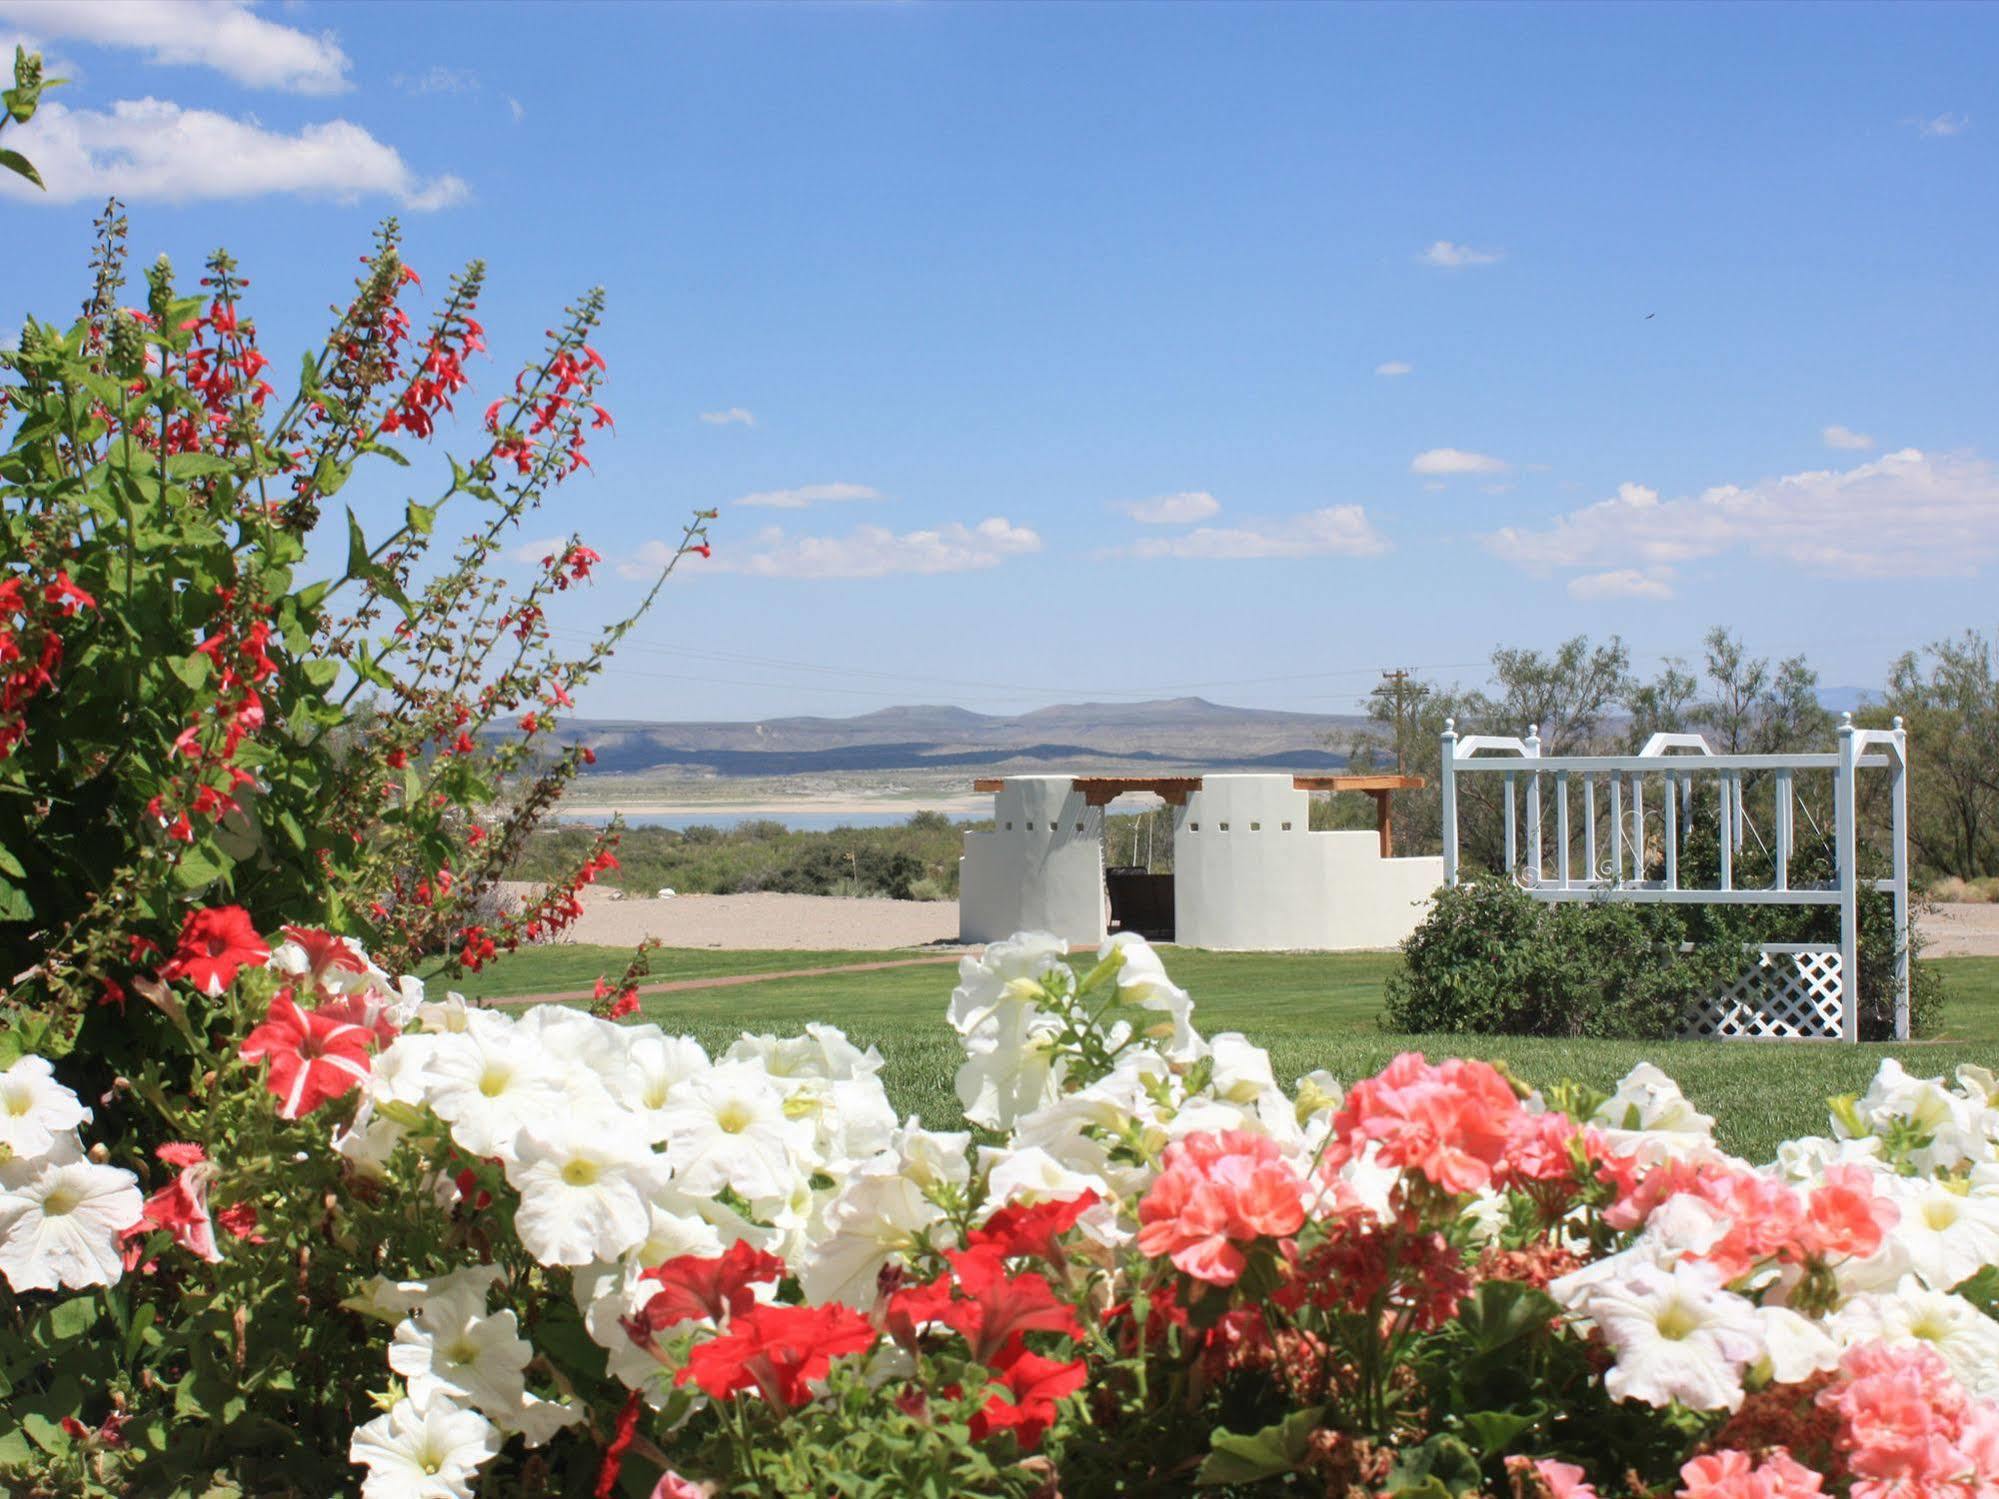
1172	509
516	109
153	149
1455	461
1623	583
1837	436
438	79
225	35
1456	257
809	494
539	549
865	552
1904	514
1335	531
1394	367
1943	124
734	414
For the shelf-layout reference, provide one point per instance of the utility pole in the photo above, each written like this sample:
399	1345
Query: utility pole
1397	687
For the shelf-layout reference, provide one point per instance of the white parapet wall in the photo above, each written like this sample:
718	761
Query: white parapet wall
1041	868
1250	875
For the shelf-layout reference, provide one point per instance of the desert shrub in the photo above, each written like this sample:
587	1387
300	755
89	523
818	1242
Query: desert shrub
765	855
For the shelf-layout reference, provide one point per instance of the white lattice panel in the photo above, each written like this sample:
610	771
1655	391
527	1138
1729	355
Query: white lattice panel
1787	995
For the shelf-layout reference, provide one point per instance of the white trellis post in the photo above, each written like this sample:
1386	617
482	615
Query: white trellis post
1532	738
1845	839
1448	789
1899	800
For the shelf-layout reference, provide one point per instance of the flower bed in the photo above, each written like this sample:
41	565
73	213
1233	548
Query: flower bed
573	1255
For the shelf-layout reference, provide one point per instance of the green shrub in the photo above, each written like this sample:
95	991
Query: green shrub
1492	960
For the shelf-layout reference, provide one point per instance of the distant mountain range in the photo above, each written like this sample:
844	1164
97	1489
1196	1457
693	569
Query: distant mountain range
1173	732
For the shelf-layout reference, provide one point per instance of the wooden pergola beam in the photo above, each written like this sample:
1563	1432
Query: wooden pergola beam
1381	788
1358	783
1101	791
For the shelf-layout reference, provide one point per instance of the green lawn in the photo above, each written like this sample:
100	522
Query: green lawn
1310	1010
564	967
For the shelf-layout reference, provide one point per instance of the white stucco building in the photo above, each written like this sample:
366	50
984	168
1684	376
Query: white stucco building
1249	874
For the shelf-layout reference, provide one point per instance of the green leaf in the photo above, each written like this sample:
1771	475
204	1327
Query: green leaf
421	517
1504	1311
1492	1432
358	561
1442	1468
72	1318
193	670
1277	1449
20	166
14	902
197	868
321	673
386	451
11	865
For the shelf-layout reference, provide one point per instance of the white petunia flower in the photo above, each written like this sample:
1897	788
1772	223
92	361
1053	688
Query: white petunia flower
728	1127
487	1085
392	1300
1677	1334
1142	980
451	1346
1952	1120
930	1158
984	981
1650	1118
35	1110
823	1052
584	1184
1946	1237
60	1221
655	1064
872	1220
1794	1347
423	1452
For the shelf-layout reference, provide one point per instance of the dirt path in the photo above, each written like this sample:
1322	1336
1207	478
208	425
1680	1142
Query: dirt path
725	981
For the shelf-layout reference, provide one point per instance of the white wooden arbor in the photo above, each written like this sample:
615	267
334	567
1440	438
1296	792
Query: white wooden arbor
1795	990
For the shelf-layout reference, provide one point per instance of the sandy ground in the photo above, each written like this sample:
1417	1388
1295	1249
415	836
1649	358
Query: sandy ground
800	922
765	920
1960	931
578	806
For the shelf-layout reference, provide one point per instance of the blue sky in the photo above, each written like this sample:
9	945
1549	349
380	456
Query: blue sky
1069	335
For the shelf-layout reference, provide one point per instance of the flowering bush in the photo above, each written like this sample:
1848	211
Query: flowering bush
187	720
542	1252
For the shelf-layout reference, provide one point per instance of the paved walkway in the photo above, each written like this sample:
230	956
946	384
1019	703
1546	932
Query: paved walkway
725	980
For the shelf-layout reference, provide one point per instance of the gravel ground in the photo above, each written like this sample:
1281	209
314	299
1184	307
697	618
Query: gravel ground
826	922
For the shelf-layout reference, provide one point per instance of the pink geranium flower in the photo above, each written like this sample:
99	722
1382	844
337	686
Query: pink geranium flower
313	1056
1217	1192
1450	1122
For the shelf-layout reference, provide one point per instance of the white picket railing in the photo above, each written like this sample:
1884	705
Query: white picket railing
1613	820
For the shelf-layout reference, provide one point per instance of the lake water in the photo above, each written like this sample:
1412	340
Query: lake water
799	822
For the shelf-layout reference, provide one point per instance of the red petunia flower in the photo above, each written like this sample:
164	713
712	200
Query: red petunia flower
181	1208
314	1057
215	944
996	1308
1034	1384
1017	1229
714	1287
777	1351
326	953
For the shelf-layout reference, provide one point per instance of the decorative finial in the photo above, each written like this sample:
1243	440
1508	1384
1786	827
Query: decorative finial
1846	720
1450	726
1898	723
